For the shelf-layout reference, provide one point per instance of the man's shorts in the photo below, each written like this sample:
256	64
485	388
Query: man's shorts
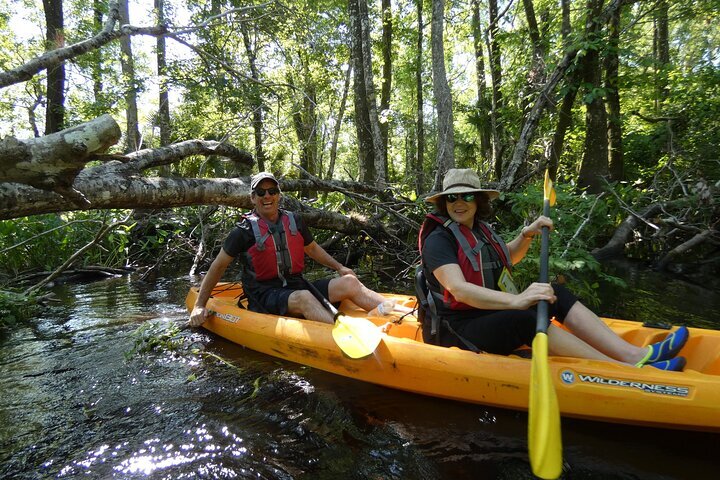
274	300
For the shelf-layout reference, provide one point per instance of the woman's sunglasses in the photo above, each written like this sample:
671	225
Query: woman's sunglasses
260	192
453	197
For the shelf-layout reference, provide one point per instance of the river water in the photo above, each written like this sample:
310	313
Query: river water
83	394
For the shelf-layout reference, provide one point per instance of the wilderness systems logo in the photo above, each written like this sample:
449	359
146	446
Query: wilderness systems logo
227	317
569	377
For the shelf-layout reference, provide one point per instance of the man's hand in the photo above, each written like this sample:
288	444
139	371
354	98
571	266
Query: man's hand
346	271
198	316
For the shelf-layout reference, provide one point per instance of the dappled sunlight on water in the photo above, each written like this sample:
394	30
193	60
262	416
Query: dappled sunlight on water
89	391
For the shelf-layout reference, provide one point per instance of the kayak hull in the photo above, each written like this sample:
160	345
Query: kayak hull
587	389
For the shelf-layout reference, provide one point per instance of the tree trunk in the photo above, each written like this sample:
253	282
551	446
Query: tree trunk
565	114
443	97
256	98
595	157
53	161
483	106
47	60
163	100
34	167
163	115
662	53
32	118
338	124
614	124
305	122
543	99
420	122
55	110
537	70
370	96
387	32
564	122
127	63
495	61
97	63
366	150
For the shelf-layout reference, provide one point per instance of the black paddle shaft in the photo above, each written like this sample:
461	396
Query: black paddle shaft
326	303
542	307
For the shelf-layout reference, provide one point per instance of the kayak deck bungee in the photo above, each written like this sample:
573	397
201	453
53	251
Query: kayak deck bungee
587	389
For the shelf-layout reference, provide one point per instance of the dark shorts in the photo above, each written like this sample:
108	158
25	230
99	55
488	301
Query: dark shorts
274	300
503	331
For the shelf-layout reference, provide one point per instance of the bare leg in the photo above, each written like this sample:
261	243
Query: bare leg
565	344
303	303
349	287
593	331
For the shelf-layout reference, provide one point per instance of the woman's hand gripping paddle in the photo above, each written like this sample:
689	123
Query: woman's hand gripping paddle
544	442
356	337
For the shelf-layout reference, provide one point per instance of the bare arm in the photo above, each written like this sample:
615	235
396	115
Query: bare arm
519	246
317	253
452	279
212	277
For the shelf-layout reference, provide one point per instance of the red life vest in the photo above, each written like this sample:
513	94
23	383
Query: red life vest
277	251
474	256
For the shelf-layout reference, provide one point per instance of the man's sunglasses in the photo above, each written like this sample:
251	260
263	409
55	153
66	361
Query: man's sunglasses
453	197
260	192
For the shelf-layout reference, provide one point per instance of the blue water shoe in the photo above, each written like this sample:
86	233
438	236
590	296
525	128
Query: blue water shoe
675	364
667	349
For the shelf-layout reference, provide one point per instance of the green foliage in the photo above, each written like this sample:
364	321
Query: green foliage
581	223
155	337
15	308
44	242
302	48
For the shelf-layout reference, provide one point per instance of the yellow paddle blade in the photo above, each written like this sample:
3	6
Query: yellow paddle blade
544	440
548	190
356	337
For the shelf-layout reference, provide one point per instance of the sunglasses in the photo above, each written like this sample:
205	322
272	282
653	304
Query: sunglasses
260	192
466	197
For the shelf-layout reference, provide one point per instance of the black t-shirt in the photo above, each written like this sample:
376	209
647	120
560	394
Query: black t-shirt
241	239
441	248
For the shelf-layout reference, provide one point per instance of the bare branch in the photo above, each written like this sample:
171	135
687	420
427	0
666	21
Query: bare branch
25	72
582	225
209	20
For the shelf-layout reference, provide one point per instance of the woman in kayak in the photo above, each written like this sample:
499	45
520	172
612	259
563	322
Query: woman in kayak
468	268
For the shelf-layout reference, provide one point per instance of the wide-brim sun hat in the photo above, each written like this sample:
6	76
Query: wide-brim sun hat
462	180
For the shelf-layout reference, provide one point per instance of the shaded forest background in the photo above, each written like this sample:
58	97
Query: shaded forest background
129	129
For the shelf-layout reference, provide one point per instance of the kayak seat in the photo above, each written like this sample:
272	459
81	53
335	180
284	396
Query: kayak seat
522	352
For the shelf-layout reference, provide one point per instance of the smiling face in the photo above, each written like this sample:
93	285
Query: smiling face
266	206
462	211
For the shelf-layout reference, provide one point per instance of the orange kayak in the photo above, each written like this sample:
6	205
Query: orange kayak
586	389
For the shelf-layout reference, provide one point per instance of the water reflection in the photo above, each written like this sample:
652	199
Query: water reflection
74	405
652	296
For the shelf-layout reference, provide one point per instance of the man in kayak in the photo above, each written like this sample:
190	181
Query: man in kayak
468	271
272	244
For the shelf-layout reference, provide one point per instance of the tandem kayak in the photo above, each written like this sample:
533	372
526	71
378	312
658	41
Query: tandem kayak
587	389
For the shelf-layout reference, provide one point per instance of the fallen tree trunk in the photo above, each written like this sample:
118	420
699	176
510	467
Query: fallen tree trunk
53	162
119	182
623	233
698	239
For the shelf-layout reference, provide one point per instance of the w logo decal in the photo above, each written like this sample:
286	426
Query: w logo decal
567	377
